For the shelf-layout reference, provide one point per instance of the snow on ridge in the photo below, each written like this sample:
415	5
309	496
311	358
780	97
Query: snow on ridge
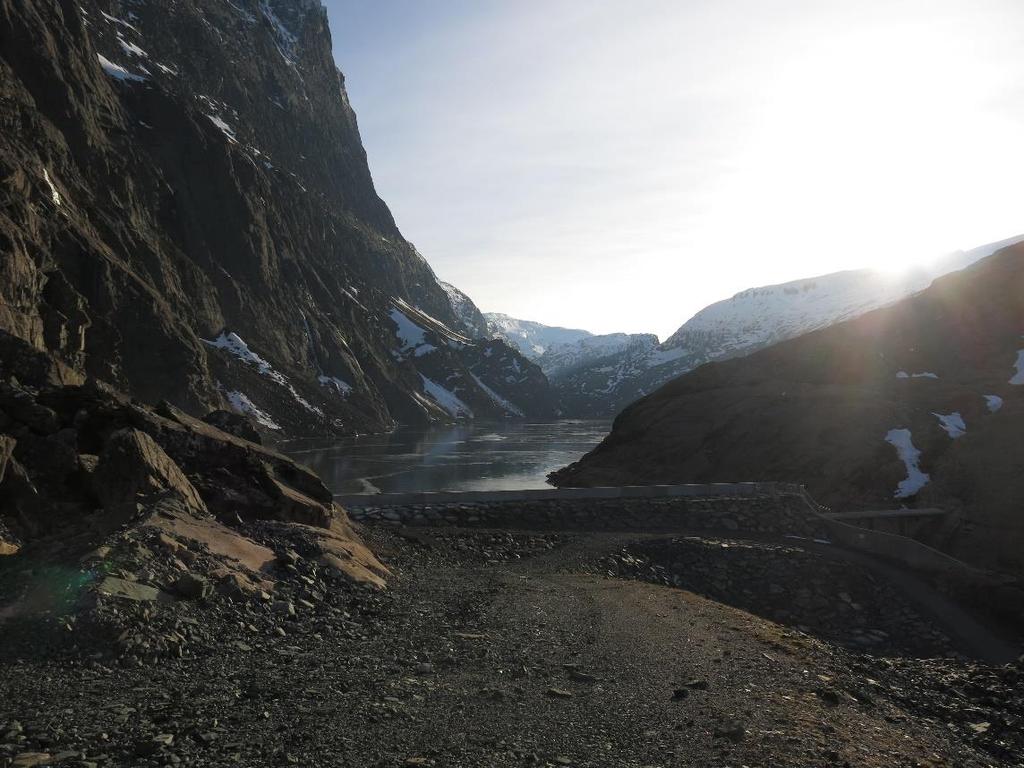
498	400
351	293
242	404
446	399
410	334
226	129
994	403
434	324
923	375
54	194
284	40
122	22
165	69
902	441
343	387
952	423
531	338
118	72
235	345
1018	378
131	48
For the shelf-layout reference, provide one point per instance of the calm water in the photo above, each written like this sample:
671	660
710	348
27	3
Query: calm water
473	457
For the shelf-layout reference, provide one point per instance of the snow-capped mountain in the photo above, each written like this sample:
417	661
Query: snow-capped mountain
530	338
758	317
558	359
472	319
750	320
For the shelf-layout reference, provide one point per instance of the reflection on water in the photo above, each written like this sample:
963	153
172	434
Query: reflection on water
470	457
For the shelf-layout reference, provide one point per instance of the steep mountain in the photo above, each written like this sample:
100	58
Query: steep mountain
750	320
918	403
470	317
188	214
559	359
530	338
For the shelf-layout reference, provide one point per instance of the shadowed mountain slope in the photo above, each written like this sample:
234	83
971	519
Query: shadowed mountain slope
918	403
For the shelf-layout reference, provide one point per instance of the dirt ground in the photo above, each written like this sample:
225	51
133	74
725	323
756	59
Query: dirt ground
504	650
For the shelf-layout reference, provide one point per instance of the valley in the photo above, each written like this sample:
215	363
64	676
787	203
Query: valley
272	493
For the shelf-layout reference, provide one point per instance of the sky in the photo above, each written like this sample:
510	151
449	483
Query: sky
616	165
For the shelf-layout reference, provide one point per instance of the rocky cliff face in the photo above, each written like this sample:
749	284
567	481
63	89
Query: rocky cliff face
918	403
188	214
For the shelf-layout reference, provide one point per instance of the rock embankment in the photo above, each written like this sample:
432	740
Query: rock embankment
790	585
778	511
109	509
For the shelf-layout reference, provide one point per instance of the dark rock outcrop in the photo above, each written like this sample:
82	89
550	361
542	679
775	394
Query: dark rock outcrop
164	504
188	214
234	424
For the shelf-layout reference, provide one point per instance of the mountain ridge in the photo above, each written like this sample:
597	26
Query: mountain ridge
915	403
596	380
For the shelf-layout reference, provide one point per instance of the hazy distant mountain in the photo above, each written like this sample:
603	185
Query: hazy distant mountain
750	320
473	321
559	359
530	338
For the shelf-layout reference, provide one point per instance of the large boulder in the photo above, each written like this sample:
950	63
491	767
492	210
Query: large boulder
20	405
133	467
6	451
234	424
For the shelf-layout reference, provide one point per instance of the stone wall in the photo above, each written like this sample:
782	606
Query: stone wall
779	513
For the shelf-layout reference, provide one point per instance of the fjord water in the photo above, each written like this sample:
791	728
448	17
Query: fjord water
469	457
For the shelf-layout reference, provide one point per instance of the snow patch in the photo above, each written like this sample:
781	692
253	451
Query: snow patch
118	72
410	334
352	293
235	345
226	129
952	423
131	48
122	22
994	403
923	375
901	440
343	387
446	399
242	404
54	194
498	400
1018	378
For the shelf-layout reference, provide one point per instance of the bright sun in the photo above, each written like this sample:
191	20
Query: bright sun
875	140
